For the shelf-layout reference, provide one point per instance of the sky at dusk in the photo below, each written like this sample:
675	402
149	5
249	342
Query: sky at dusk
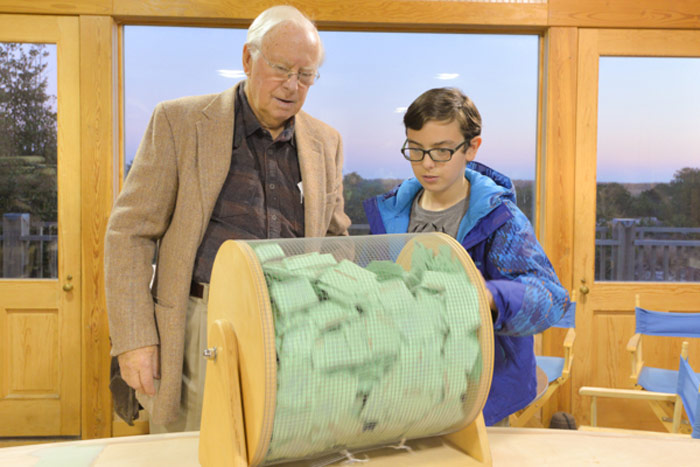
649	108
648	118
367	81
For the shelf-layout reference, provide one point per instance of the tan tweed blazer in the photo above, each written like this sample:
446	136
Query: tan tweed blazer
167	201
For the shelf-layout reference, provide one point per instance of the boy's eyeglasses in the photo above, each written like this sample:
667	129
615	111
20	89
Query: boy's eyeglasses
436	154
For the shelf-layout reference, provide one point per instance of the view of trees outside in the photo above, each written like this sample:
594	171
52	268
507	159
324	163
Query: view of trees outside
648	196
28	152
367	81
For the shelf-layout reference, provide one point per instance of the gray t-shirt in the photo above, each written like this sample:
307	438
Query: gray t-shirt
446	221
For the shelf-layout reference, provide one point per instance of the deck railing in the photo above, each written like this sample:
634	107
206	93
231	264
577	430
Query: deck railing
29	247
629	251
625	250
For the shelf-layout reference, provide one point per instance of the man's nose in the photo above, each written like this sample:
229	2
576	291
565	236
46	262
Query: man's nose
292	81
428	163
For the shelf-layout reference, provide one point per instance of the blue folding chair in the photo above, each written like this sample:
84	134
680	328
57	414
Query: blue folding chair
657	323
557	369
689	391
656	385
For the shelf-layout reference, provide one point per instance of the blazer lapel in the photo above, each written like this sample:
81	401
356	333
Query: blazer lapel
214	146
313	176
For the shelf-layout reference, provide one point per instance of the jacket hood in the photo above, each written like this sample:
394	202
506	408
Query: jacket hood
489	189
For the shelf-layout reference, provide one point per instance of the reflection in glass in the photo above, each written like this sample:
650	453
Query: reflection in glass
28	152
363	95
648	195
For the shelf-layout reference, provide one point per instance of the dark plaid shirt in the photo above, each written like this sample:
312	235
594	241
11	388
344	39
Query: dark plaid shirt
260	197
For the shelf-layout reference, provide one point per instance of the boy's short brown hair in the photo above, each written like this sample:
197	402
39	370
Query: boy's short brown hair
444	105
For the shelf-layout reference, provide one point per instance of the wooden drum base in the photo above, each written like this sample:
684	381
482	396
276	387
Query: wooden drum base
222	436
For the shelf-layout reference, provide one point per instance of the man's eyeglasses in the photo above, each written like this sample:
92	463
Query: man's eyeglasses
282	73
436	154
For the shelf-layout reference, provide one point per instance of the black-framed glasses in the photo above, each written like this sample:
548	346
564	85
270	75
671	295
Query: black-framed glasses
436	154
282	73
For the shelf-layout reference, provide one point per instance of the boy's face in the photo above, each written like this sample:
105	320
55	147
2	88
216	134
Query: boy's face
442	178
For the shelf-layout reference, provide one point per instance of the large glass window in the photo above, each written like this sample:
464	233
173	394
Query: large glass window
648	196
367	81
28	151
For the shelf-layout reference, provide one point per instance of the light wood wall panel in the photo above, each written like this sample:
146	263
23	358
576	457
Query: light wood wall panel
559	142
72	7
661	14
98	88
357	13
648	43
557	176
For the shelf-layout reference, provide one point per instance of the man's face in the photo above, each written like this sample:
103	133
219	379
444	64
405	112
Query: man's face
273	99
442	178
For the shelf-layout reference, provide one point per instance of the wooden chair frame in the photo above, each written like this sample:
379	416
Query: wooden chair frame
521	418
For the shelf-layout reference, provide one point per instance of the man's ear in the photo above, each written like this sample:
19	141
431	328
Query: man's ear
473	148
247	59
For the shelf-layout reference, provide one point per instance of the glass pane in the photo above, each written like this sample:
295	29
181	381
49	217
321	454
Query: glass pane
28	201
363	95
648	196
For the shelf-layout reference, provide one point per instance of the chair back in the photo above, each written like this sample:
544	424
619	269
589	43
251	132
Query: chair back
659	323
568	320
688	389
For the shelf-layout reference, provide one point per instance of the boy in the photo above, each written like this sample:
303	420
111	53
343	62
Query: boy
476	205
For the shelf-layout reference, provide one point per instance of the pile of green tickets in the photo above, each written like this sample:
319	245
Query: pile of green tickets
369	356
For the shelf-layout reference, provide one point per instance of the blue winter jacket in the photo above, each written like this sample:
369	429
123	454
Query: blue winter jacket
503	246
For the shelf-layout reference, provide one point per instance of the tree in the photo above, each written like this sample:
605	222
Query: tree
614	201
356	189
655	203
685	192
28	146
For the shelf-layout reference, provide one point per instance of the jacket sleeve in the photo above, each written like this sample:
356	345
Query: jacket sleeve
525	288
139	219
339	221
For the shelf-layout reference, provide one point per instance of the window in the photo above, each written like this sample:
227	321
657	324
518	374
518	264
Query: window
648	195
367	81
28	154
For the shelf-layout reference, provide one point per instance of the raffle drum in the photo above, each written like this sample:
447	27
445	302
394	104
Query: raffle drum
323	350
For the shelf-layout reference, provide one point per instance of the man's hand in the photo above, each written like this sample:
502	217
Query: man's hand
139	367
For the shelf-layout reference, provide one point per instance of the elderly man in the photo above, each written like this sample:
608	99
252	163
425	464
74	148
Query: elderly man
246	163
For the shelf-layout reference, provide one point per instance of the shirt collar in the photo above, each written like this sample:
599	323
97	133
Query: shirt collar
251	124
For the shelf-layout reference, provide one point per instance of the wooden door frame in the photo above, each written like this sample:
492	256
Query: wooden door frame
100	171
609	300
64	33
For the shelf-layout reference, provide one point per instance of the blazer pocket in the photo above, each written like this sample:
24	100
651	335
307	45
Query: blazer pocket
159	302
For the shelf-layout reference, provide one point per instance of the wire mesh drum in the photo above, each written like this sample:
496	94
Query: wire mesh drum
347	343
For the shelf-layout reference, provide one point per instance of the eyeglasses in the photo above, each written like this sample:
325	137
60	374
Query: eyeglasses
436	154
282	73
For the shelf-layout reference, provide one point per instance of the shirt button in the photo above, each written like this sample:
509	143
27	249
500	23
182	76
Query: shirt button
272	186
274	217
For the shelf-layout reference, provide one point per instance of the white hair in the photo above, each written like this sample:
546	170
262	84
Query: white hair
275	16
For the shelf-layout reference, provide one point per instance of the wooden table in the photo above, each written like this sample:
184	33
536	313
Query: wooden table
509	447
